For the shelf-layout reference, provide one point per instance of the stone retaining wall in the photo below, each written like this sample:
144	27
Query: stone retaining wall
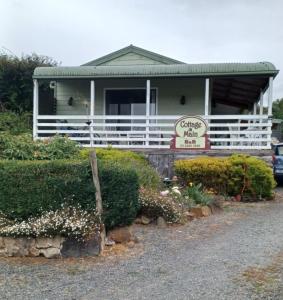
50	247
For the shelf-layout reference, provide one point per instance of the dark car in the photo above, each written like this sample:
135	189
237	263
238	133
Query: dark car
277	161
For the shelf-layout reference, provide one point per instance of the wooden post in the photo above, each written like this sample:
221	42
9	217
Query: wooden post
261	103
206	97
147	110
92	104
270	95
35	108
98	198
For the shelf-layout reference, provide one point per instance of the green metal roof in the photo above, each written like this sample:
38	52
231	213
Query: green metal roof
133	49
173	70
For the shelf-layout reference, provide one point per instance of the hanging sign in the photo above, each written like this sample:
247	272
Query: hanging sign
190	133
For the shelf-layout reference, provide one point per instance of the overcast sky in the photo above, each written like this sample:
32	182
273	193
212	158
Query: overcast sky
194	31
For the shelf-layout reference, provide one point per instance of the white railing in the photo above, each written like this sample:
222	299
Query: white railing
224	131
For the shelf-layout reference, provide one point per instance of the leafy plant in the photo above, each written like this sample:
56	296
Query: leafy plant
196	195
16	85
15	124
148	177
22	147
154	205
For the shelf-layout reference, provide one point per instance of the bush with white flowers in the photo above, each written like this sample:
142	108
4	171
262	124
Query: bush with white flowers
155	204
69	221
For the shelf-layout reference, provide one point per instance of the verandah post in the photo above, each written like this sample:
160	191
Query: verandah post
147	111
270	95
92	110
206	98
35	108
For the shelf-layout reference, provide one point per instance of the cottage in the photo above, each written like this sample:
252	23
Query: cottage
131	98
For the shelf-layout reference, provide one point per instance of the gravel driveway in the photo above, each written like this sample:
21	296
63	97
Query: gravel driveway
210	258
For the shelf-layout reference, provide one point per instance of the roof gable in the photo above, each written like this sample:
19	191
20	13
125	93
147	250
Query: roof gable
132	55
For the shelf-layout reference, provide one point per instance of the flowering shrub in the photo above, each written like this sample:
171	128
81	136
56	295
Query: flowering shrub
69	221
155	205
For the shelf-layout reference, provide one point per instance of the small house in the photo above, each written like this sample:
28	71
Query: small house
131	98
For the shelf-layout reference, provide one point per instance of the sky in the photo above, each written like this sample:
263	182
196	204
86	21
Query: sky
194	31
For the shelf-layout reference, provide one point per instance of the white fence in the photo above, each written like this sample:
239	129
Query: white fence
224	131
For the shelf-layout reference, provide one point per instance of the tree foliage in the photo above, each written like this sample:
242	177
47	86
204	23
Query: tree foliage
16	86
277	109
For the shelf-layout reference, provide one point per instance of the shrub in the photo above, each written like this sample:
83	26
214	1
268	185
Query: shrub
210	172
22	147
252	176
148	177
154	205
13	123
29	188
238	174
68	222
196	195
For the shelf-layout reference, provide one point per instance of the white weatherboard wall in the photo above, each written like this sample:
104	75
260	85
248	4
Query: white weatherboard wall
79	90
169	92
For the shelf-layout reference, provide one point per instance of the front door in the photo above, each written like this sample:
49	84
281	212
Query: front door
128	102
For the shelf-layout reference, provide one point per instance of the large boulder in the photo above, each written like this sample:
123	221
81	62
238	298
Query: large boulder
121	235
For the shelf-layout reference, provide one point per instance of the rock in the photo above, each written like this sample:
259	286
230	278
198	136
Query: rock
109	242
3	253
138	221
131	244
190	216
120	235
145	220
2	245
206	211
201	211
197	211
161	223
74	248
44	242
135	239
50	252
16	246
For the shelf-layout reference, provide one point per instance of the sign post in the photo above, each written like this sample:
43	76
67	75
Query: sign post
190	134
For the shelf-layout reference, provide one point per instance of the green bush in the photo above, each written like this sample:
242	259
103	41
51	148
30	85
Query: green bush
239	174
212	173
15	124
29	188
22	147
153	205
148	177
252	176
195	195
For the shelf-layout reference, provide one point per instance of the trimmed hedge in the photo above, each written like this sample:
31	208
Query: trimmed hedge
239	174
29	188
148	177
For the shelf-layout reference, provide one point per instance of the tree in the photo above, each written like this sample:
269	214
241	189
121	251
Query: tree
277	109
16	86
